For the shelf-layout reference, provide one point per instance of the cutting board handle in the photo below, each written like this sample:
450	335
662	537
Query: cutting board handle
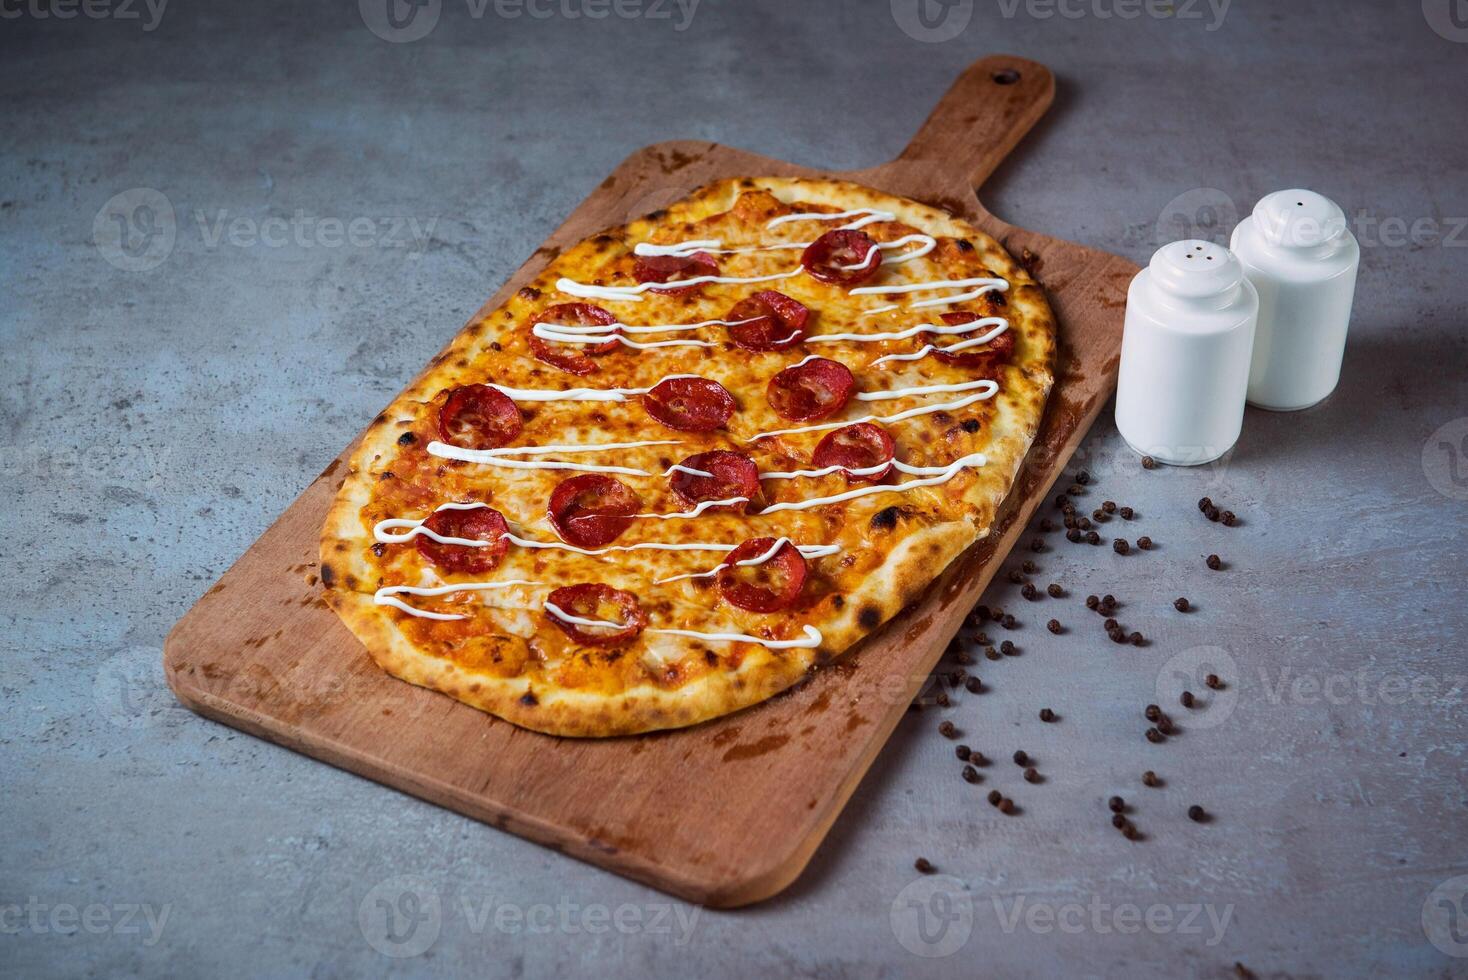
983	115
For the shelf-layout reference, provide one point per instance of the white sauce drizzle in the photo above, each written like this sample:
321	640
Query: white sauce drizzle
899	417
806	551
495	457
950	349
896	464
387	595
383	531
644	328
633	294
944	329
865	217
578	394
812	635
984	284
947	473
702	506
547	332
712	245
890	394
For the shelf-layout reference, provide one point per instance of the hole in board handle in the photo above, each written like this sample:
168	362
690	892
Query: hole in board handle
1005	76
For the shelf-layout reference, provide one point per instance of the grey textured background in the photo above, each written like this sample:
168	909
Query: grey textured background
156	421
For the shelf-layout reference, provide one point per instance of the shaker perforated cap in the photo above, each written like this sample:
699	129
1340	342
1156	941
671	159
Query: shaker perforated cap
1299	219
1195	269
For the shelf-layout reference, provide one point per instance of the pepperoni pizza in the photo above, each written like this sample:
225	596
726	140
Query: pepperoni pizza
696	456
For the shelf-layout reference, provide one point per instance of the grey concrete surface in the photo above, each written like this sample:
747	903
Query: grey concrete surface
162	402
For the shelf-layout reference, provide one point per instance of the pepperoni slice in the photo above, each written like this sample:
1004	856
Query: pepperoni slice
671	268
602	603
768	586
857	447
813	390
842	257
591	510
689	404
479	524
775	321
572	358
734	475
479	417
988	356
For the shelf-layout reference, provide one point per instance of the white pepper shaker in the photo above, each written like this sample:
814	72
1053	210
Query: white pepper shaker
1302	260
1190	319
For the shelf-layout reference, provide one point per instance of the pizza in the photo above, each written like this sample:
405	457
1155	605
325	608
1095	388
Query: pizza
696	457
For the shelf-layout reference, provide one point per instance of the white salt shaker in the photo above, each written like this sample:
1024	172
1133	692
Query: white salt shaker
1190	319
1302	259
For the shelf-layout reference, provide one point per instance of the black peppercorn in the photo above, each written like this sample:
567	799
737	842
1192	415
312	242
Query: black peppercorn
963	752
1092	602
1145	543
991	653
1006	806
1213	682
973	685
923	865
1229	520
1152	712
1149	778
1030	592
1054	626
1148	463
1187	699
1029	567
1046	714
1093	538
1136	639
1127	513
1032	775
970	774
977	758
1109	506
1197	813
947	729
1021	758
1181	604
1073	536
994	797
1117	804
1153	735
1054	591
1083	478
1007	648
1205	503
1010	623
1118	821
1120	546
1037	545
1015	577
1214	562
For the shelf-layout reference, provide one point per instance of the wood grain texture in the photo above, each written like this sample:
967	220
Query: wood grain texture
728	812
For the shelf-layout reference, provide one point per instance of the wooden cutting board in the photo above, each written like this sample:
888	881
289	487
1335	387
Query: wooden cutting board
730	811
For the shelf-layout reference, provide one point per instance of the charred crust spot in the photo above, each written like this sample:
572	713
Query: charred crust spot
328	576
838	602
869	618
528	699
603	240
380	419
711	658
997	299
351	581
495	346
964	245
529	293
407	439
379	549
885	520
657	215
971	426
385	475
